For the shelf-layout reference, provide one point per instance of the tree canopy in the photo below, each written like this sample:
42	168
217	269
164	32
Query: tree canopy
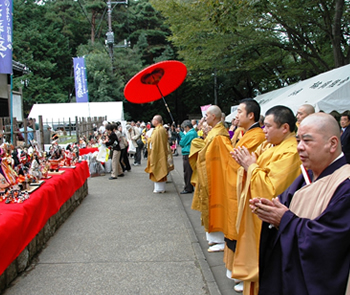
233	49
257	46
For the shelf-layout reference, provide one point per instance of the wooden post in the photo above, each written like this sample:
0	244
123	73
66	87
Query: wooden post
14	128
25	132
70	127
41	132
1	130
77	128
89	127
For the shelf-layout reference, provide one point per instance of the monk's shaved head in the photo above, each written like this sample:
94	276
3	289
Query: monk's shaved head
157	119
213	115
325	124
308	108
318	142
216	111
304	111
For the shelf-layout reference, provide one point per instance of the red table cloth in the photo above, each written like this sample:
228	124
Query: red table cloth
20	223
85	151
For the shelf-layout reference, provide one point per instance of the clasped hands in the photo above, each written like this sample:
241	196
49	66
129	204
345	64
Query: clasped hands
243	157
268	211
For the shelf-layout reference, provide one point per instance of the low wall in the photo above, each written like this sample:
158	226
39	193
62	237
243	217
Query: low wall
37	244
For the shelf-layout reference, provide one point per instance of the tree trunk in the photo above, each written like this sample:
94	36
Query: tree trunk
338	55
93	26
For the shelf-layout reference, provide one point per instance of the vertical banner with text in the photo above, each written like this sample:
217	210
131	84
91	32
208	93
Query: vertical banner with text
5	36
81	90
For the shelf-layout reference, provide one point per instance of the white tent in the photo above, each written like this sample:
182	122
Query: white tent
59	112
233	114
263	98
329	91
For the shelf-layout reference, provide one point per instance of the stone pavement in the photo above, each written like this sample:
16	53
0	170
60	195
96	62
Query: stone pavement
123	239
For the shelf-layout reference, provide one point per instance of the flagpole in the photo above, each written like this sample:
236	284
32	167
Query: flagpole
11	76
11	105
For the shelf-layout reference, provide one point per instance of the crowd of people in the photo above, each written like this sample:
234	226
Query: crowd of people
120	142
273	193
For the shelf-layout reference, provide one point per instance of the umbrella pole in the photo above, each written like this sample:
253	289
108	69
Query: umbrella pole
166	105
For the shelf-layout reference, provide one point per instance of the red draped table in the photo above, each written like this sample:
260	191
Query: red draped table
20	223
85	151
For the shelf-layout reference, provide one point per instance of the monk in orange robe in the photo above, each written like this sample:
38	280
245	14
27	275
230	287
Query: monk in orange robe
208	159
248	114
157	160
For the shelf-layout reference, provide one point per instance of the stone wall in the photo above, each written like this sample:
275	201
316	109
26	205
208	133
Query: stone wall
25	259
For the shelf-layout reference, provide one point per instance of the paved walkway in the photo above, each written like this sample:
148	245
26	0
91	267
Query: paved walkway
123	239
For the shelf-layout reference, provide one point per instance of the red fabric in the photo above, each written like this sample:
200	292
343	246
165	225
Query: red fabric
20	223
87	151
167	75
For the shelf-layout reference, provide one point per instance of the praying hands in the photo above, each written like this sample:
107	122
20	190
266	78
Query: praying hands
268	211
243	157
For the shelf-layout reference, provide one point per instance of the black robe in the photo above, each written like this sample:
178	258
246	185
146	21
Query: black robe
308	256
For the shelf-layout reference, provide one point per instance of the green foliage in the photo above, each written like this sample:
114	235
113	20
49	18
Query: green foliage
71	19
257	46
248	46
147	30
167	54
49	35
39	44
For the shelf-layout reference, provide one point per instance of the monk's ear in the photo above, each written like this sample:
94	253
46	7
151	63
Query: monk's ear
334	143
251	116
285	128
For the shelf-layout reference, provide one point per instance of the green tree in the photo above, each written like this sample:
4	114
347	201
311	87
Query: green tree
48	35
39	44
94	11
258	45
72	18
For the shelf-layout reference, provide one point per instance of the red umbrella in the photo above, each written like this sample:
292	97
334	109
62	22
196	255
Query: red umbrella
155	81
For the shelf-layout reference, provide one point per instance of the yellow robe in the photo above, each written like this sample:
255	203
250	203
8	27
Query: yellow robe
275	170
225	208
239	132
197	145
157	160
209	155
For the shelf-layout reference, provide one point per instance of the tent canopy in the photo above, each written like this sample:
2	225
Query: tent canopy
329	91
57	112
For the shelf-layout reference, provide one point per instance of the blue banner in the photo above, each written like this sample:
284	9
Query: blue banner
5	36
81	90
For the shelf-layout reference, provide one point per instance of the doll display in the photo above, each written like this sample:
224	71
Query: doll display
22	168
56	155
45	167
13	195
3	183
69	156
35	168
6	168
75	148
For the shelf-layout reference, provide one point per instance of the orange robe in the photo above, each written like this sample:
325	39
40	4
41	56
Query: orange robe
275	170
209	157
157	160
224	210
239	132
197	145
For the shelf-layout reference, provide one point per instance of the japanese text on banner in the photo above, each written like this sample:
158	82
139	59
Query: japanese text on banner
5	37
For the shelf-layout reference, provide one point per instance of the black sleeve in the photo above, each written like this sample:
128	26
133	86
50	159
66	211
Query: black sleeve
112	139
